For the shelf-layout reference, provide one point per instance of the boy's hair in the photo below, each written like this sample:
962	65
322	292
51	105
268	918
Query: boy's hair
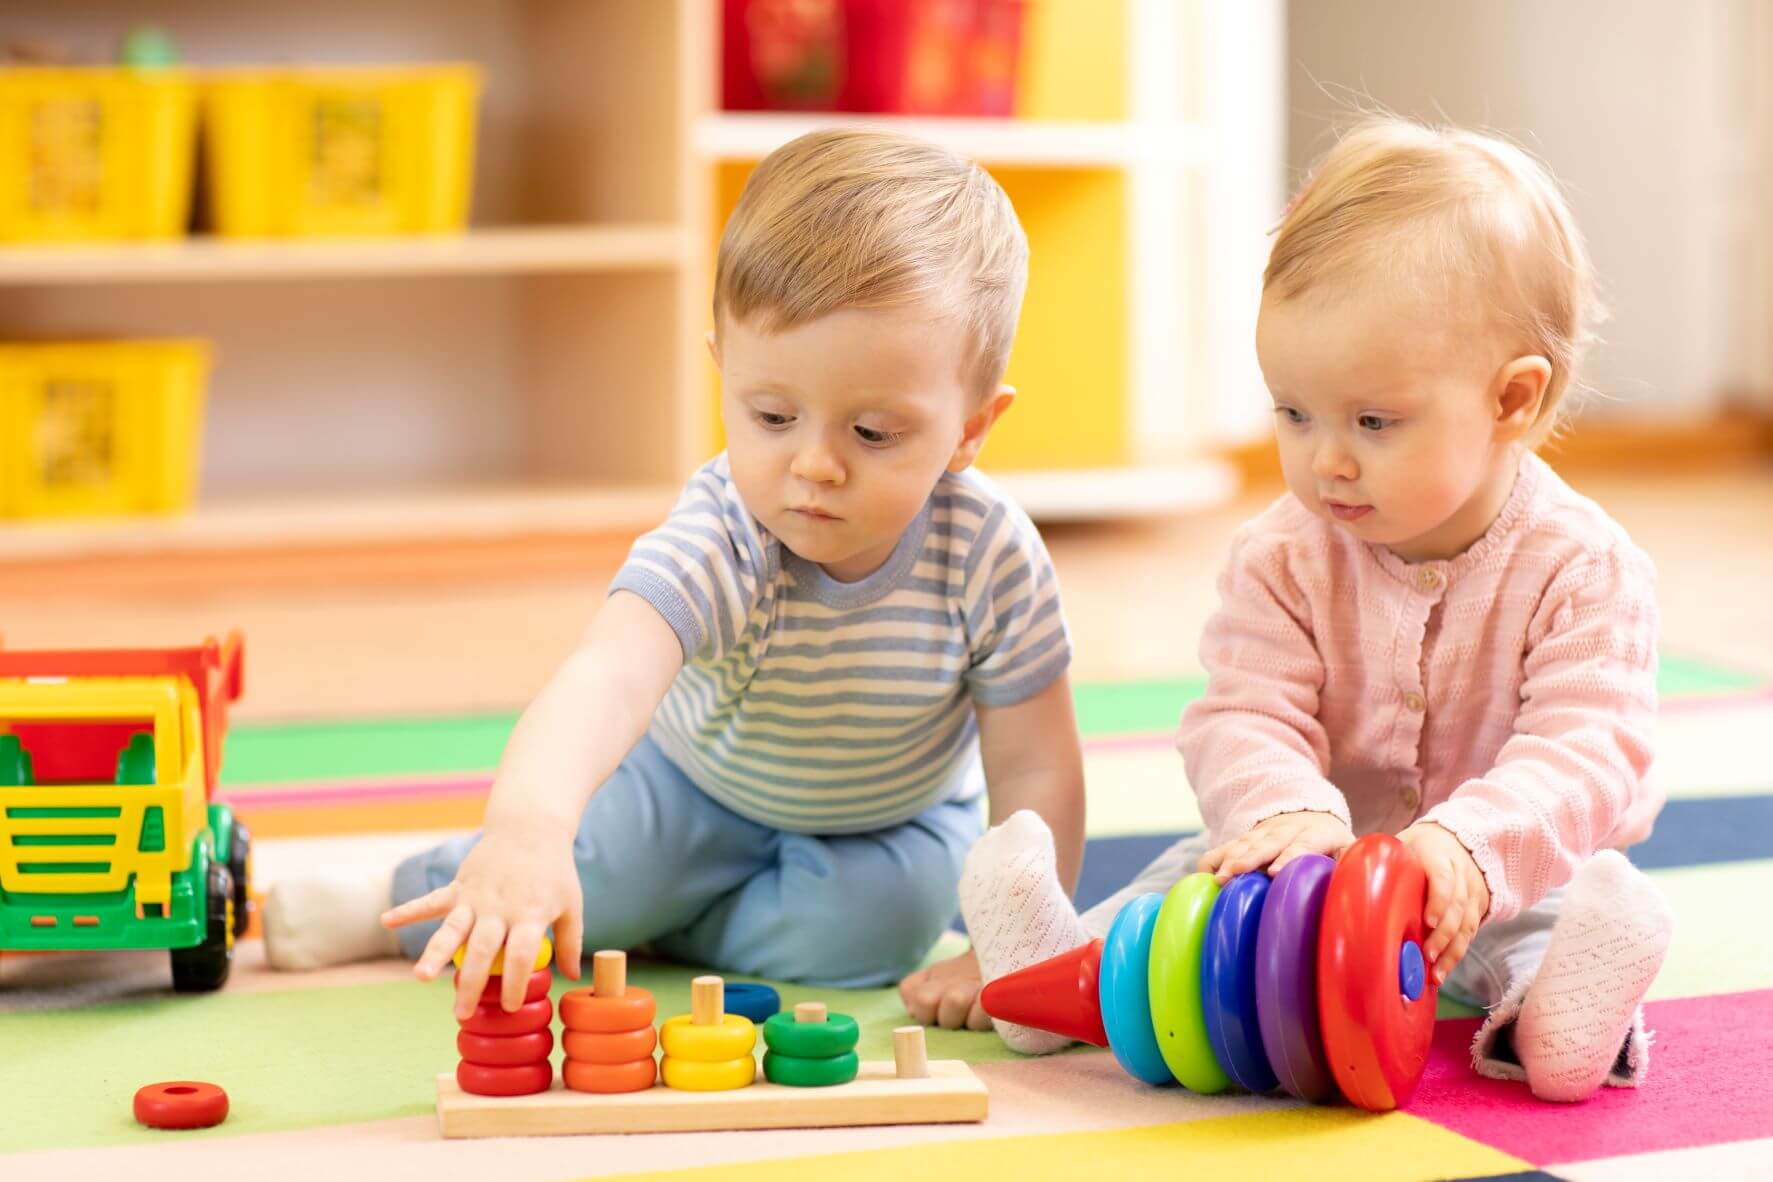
1398	201
867	219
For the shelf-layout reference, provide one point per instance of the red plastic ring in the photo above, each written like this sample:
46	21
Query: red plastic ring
623	1047
504	1081
181	1104
531	1016
513	1050
1375	1037
610	1078
537	987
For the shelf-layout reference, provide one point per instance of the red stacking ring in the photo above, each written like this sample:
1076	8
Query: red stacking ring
512	1050
539	983
529	1017
505	1081
181	1104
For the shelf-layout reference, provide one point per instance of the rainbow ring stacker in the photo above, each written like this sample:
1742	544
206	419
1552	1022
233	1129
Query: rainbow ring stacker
1315	981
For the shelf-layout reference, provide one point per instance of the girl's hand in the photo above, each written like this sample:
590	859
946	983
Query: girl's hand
512	885
947	994
1277	841
1458	896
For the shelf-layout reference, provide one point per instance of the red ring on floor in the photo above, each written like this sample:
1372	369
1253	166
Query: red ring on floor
512	1050
181	1104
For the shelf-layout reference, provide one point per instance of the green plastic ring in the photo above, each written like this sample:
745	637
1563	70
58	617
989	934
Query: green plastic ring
810	1073
810	1040
1176	1013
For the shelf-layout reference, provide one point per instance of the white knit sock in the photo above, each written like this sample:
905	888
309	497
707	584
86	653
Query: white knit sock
1017	913
330	917
1606	948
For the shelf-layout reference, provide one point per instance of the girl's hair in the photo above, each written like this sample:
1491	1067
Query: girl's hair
868	219
1456	215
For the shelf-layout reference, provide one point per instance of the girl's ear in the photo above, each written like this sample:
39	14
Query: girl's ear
1517	393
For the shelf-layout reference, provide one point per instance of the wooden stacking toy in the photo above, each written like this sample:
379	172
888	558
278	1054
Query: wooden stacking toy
506	1053
609	1031
813	1078
1313	981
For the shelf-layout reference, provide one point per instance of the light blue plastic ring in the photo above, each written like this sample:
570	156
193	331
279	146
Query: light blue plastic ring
1125	990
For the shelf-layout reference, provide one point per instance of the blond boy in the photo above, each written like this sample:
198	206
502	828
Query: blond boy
768	751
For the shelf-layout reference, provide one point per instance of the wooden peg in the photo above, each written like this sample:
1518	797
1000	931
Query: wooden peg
910	1058
707	1001
609	973
810	1011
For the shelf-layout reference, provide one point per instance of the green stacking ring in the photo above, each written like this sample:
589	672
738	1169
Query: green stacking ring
1176	1013
810	1073
810	1040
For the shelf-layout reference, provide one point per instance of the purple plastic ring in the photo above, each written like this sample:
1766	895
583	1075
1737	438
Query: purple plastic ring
1286	978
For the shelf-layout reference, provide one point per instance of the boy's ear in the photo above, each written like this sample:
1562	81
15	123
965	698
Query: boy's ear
714	347
978	428
1518	391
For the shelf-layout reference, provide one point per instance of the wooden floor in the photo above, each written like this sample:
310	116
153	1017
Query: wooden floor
1136	596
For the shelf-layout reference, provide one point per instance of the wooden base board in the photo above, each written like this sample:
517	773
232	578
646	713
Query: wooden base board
951	1094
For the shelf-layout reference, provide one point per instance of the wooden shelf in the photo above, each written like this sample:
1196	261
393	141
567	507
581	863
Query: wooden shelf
1140	490
371	519
1008	142
512	250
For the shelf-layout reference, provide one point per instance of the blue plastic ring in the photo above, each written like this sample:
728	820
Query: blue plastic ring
1228	982
1125	991
756	1002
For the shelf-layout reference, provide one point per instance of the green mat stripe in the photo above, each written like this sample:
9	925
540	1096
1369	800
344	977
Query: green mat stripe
292	753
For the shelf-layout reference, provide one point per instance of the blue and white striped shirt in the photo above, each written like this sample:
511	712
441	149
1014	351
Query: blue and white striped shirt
816	706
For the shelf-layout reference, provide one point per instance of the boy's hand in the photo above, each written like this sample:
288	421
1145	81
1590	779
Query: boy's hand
506	892
947	994
1277	841
1458	896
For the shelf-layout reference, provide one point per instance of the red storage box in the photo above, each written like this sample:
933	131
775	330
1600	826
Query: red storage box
905	57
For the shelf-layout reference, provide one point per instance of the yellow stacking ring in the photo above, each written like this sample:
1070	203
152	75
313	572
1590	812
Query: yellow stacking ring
732	1039
687	1075
544	957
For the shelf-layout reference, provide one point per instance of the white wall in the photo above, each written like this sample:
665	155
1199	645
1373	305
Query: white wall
1653	115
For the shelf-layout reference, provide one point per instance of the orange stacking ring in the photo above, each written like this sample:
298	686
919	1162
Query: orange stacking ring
513	1050
622	1047
608	1078
539	983
525	1019
583	1010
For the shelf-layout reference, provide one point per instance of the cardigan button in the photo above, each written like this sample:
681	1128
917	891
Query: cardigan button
1415	702
1430	579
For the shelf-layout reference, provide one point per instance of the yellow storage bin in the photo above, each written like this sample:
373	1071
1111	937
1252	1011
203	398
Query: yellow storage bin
324	151
98	153
100	427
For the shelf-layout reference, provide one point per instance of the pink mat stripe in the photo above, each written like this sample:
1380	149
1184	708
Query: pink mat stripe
1710	1081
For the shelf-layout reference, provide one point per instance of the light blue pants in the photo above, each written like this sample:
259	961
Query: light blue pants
663	863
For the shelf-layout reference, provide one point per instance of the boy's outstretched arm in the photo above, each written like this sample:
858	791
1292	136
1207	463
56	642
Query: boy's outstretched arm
520	877
1033	760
